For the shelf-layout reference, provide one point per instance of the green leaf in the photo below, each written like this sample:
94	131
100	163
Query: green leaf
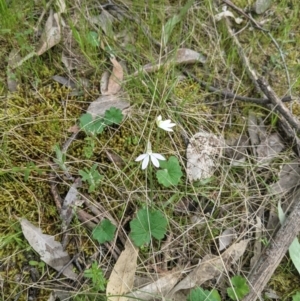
92	126
199	294
239	288
104	232
92	38
296	297
170	173
91	176
113	116
96	274
294	249
147	223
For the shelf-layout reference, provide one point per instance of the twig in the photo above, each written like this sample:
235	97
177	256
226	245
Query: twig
272	256
278	105
230	95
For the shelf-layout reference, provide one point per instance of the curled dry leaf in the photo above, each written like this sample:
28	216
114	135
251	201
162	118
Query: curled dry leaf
226	238
115	79
51	35
51	251
157	289
122	277
211	267
202	153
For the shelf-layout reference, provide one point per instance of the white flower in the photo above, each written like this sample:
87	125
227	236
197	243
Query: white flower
164	124
149	155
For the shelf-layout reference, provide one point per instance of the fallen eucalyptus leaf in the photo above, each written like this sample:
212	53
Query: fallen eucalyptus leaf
226	238
157	289
51	35
202	153
289	178
211	267
115	79
269	148
51	251
122	276
98	107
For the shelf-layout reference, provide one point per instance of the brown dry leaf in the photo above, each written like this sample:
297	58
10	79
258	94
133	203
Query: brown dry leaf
51	251
122	277
115	158
157	289
115	79
202	153
51	35
211	267
181	56
105	102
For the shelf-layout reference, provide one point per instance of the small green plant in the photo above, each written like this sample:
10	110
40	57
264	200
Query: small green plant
96	275
199	294
96	126
147	223
105	231
171	172
92	176
38	264
296	297
239	288
60	158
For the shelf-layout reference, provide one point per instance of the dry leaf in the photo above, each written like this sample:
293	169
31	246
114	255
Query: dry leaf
67	209
269	148
211	267
122	277
51	35
181	56
105	102
115	79
158	288
202	153
67	82
289	178
13	59
226	238
51	251
115	158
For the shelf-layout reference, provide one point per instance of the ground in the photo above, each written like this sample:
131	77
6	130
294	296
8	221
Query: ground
38	113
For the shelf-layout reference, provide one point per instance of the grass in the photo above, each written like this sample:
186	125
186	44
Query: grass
38	115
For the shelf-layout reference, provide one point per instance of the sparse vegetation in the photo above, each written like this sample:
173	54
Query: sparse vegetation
48	139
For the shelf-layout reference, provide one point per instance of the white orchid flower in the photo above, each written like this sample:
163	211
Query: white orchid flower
164	124
149	155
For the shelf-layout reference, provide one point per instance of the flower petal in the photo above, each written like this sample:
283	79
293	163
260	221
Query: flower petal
154	161
158	156
141	157
145	162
